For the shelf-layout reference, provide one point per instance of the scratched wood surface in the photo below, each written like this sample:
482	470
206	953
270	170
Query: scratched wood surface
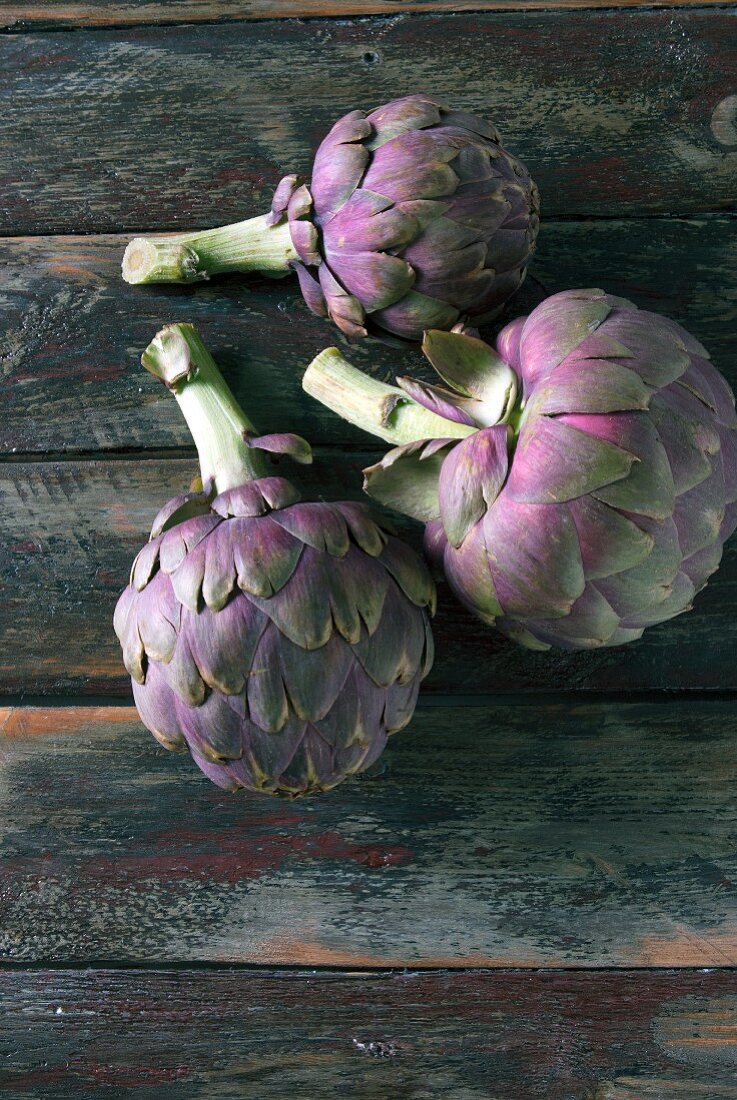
557	835
477	1036
106	13
613	111
73	331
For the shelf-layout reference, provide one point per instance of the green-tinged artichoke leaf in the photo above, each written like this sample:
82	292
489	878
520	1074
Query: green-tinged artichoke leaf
590	625
187	579
418	311
394	652
223	643
562	326
157	634
410	573
300	609
314	678
468	570
522	636
317	524
179	510
219	580
678	599
647	490
265	555
609	541
471	479
403	480
134	657
589	386
688	443
282	443
311	767
465	363
182	675
145	565
534	558
554	462
600	345
365	529
357	591
401	699
644	587
267	699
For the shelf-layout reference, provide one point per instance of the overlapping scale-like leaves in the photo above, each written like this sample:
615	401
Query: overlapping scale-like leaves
602	506
414	215
280	642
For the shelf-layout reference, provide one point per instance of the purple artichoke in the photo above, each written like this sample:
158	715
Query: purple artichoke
415	216
280	642
596	482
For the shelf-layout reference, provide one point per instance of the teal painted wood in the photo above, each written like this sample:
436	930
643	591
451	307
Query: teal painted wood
512	836
74	331
473	1036
164	127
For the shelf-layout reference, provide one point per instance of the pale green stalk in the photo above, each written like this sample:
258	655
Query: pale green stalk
385	411
251	245
218	425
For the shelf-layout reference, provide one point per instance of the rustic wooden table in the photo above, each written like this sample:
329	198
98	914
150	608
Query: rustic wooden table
536	898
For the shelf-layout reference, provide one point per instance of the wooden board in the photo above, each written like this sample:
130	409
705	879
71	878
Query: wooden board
70	379
147	128
69	532
511	836
106	13
189	1034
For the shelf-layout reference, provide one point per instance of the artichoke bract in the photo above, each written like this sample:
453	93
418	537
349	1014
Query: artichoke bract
414	216
595	482
280	641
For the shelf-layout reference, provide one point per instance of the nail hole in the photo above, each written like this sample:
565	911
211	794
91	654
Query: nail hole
371	57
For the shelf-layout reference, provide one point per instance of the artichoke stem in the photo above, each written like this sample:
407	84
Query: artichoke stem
385	411
219	427
251	245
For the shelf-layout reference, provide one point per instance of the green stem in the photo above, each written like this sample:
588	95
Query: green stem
188	257
383	410
178	358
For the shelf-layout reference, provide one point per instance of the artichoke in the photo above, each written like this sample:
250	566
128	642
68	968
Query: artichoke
280	642
595	482
415	216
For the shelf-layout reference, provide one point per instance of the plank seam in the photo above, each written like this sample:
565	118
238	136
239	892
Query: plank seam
260	969
431	701
729	213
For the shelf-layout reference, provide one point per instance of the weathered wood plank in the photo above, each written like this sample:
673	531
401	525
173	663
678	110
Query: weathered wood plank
74	331
497	836
69	532
166	127
473	1036
105	13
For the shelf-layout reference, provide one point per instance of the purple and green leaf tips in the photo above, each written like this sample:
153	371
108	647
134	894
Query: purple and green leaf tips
280	642
578	483
414	216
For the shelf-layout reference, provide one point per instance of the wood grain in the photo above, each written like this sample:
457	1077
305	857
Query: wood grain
106	13
496	836
70	378
476	1036
185	126
69	532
